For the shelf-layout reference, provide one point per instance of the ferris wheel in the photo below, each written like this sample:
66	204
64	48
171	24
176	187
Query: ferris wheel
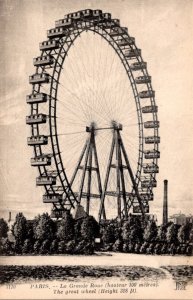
93	118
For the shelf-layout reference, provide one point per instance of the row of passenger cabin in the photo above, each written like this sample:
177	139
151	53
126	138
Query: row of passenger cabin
88	13
95	15
151	124
126	41
147	182
45	180
37	98
52	198
43	60
36	119
42	160
149	109
150	168
39	78
137	209
37	140
136	66
146	94
49	45
143	79
152	140
132	53
149	154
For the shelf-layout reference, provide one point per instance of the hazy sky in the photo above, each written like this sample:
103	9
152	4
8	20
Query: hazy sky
164	32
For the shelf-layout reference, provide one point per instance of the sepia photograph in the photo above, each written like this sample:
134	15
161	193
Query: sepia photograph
96	130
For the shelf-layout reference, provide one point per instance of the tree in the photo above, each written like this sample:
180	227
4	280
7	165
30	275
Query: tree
108	234
44	228
150	232
171	235
89	229
184	233
3	228
19	230
132	230
191	235
65	229
27	246
161	235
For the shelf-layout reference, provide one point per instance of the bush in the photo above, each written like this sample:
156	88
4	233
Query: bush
61	247
54	247
45	247
27	246
118	246
70	246
84	247
36	247
144	247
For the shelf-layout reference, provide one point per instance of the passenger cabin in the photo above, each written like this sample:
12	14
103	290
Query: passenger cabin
42	160
87	13
143	79
52	198
106	16
108	24
149	154
56	32
97	13
126	42
66	23
138	66
117	31
132	53
116	22
151	124
146	196
49	45
39	78
150	168
137	209
37	98
56	213
152	140
125	29
36	119
37	140
45	180
147	94
43	60
76	16
147	182
149	109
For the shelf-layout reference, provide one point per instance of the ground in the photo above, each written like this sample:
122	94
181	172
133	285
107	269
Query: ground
130	266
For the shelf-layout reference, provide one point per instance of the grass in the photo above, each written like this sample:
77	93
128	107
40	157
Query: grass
27	273
181	272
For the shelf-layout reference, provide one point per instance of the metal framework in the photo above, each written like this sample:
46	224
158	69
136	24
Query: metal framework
58	188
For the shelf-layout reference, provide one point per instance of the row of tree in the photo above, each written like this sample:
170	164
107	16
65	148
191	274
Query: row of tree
43	235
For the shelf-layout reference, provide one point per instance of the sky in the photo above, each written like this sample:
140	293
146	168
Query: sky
162	29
